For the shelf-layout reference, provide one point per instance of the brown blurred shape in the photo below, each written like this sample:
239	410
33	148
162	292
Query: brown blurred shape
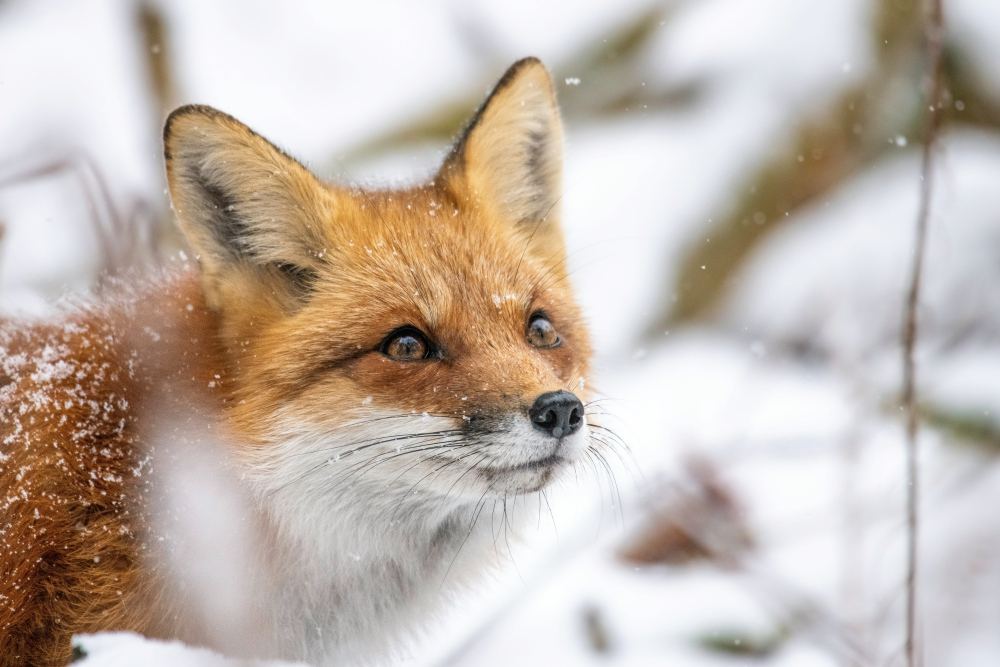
696	517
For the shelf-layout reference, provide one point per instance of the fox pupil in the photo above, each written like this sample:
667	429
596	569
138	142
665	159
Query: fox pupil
406	346
542	334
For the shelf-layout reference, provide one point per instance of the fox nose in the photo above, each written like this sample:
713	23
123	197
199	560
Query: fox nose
557	413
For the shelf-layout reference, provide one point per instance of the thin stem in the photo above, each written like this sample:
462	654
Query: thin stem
935	43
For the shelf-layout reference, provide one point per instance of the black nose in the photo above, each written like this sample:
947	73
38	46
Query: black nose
558	413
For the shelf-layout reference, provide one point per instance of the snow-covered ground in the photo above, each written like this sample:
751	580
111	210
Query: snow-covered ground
789	394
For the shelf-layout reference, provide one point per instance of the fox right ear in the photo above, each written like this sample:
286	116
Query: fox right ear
245	207
509	158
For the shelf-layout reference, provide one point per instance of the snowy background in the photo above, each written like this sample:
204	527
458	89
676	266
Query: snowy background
741	189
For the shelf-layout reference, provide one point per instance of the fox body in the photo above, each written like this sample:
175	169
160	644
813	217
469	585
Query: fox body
298	441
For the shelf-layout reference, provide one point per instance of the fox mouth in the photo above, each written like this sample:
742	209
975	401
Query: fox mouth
547	463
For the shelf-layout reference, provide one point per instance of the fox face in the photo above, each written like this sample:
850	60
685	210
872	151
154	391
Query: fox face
423	342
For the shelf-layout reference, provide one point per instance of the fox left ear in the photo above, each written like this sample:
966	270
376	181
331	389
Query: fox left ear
509	158
252	213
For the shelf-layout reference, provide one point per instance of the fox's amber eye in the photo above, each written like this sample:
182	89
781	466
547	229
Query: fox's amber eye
541	333
406	344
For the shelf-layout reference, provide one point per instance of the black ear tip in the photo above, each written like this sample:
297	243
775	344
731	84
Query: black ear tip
190	110
514	72
516	68
524	62
187	110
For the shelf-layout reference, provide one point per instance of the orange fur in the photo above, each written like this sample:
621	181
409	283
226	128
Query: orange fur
74	493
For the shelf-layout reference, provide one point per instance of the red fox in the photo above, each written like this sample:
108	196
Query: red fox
375	371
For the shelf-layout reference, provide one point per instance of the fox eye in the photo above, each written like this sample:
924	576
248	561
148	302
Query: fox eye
541	333
406	344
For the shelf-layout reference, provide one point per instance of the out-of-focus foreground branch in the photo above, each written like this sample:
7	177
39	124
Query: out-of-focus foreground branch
611	69
935	106
164	92
155	44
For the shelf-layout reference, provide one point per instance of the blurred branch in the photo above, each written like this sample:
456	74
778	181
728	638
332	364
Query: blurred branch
130	232
935	47
824	151
611	72
155	44
611	82
596	629
157	50
125	238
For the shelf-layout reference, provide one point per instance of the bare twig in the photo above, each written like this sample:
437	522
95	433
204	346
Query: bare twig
935	39
154	32
597	629
125	235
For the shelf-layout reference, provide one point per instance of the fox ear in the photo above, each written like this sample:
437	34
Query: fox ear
509	158
245	207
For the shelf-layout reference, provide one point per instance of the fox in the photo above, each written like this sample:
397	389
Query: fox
361	383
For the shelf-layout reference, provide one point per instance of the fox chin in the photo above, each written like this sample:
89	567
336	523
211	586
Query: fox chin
300	439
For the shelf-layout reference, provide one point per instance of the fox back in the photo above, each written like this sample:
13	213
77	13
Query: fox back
353	385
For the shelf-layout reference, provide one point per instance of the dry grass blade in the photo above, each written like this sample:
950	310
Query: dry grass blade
129	233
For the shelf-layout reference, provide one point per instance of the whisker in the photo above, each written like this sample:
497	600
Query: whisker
360	445
324	464
603	399
551	513
408	415
471	468
610	447
476	511
477	449
612	485
412	449
506	539
590	459
415	484
614	442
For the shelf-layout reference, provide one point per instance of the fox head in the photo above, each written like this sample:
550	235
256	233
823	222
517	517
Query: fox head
424	338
